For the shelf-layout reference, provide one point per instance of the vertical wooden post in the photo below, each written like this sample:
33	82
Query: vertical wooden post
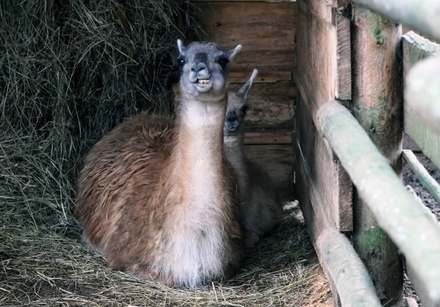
377	105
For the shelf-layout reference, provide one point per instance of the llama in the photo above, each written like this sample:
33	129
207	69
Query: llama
158	198
260	204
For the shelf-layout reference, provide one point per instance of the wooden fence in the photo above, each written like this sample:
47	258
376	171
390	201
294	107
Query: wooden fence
351	60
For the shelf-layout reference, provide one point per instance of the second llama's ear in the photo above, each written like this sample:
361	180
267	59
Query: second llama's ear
232	52
181	47
244	91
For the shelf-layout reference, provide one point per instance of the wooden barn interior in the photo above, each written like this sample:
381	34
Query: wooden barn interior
310	53
348	92
267	31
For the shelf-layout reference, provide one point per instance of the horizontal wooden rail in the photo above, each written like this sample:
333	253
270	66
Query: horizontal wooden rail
346	269
422	174
422	92
395	209
422	16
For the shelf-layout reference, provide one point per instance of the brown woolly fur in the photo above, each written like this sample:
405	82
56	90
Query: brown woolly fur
158	199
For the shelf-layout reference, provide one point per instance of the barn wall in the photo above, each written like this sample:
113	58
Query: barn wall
267	32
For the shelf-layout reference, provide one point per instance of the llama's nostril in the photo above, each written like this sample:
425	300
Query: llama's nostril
200	68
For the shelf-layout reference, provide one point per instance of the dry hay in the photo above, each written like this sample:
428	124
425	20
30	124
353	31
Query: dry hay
40	267
69	72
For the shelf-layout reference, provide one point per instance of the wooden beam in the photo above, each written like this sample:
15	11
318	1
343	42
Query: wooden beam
396	210
263	77
422	16
279	136
343	55
351	278
377	105
422	92
328	187
266	30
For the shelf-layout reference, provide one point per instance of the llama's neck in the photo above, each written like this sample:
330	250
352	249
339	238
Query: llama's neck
200	150
234	151
233	147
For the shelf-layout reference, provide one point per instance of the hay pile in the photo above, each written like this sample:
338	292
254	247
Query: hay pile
69	72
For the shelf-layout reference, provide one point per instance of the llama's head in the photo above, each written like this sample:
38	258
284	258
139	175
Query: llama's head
204	68
237	107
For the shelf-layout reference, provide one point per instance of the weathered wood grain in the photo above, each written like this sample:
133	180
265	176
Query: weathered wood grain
327	186
377	105
415	49
277	136
265	29
271	105
277	160
343	57
396	210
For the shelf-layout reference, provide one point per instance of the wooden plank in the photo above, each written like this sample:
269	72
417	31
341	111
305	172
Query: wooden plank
377	105
426	138
328	188
324	189
277	160
271	46
327	196
241	77
225	13
397	212
343	56
422	106
316	56
271	105
279	136
270	36
346	269
416	48
281	60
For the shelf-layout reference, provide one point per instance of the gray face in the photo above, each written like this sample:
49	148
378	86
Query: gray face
235	114
237	107
204	68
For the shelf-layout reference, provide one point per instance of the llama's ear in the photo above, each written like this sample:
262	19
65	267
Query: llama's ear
181	47
244	91
232	52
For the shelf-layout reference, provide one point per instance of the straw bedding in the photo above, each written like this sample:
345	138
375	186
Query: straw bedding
70	70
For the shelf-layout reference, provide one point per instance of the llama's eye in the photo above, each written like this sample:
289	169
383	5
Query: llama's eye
181	61
223	61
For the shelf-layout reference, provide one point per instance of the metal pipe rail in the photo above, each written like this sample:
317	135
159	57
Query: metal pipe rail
346	269
395	209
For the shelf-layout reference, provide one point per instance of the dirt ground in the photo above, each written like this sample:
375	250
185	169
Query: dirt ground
409	178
